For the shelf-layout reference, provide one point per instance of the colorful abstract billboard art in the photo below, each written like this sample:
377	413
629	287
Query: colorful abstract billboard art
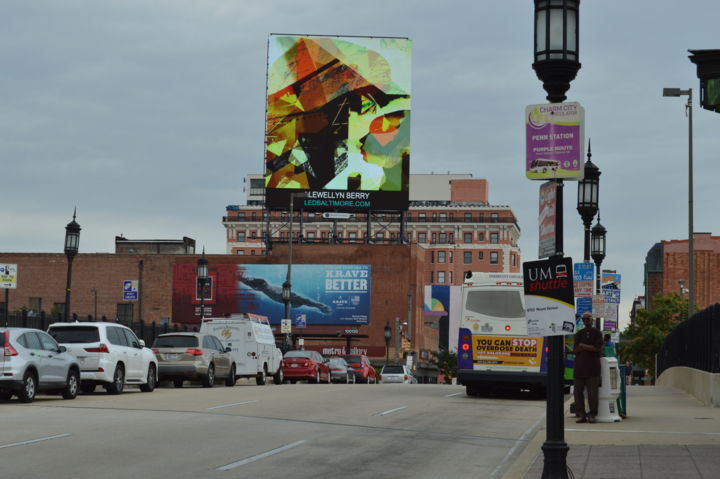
338	122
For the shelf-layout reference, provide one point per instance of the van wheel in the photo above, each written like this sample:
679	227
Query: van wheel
261	377
118	384
279	378
230	380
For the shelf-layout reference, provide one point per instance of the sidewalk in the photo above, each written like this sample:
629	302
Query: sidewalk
667	434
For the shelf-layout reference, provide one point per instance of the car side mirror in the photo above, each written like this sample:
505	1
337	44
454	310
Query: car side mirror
228	349
141	343
62	349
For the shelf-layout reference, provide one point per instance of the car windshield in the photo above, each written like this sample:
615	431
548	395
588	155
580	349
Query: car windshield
75	334
176	342
298	354
393	370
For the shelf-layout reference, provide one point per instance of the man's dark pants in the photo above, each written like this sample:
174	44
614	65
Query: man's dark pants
592	385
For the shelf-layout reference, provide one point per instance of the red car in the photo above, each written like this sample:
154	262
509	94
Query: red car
364	372
305	365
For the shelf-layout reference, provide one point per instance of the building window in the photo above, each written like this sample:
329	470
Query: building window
311	235
442	238
482	217
494	237
467	217
481	255
513	259
443	217
432	256
431	277
493	257
253	235
434	238
467	257
450	280
240	252
380	236
494	217
352	235
35	305
422	237
441	257
450	257
422	217
241	236
481	236
441	277
467	237
241	216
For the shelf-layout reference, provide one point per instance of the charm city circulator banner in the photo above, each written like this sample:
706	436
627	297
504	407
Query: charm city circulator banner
549	297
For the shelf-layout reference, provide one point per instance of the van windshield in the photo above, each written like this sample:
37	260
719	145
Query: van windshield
500	304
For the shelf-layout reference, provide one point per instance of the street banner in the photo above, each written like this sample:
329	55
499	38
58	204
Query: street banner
301	321
546	219
8	276
598	305
508	351
583	276
611	317
610	286
130	290
549	297
582	305
554	141
285	326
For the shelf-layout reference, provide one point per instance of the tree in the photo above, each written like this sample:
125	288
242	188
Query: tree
447	361
647	333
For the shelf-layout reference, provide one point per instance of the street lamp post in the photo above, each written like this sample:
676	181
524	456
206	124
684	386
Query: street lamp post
691	250
287	285
202	280
388	335
72	243
598	234
587	200
556	55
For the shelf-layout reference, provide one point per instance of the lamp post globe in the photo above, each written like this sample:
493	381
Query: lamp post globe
556	52
588	199
202	279
72	244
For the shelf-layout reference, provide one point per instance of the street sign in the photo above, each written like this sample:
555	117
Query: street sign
285	326
300	321
8	276
549	297
554	141
130	290
337	216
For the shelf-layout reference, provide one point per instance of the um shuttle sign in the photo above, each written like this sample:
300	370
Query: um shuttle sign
549	297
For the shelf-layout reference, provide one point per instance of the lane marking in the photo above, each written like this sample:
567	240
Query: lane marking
454	394
259	456
644	432
231	405
31	441
391	411
521	440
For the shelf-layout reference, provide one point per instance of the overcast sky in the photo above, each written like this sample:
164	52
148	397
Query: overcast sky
147	115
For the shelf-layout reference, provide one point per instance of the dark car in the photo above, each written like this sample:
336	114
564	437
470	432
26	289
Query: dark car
305	365
364	371
341	371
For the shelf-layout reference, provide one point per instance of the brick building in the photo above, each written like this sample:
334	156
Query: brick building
666	269
449	217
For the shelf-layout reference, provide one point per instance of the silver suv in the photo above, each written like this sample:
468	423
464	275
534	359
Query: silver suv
109	354
193	356
31	362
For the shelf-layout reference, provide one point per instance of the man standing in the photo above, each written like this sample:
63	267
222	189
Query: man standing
588	345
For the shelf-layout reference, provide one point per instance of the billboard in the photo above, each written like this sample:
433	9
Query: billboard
323	294
338	122
554	141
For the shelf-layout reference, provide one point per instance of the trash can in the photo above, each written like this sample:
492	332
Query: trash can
609	391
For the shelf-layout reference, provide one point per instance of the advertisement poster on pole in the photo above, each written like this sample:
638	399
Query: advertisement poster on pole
546	219
8	276
549	297
582	305
598	305
583	276
555	141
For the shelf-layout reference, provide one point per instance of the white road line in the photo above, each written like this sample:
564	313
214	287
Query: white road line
231	405
259	456
454	394
34	440
643	432
391	411
522	439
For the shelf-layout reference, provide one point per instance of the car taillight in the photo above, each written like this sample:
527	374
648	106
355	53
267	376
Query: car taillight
194	351
380	378
156	350
406	377
100	349
8	350
307	364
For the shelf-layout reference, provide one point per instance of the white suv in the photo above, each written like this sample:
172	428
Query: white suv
396	373
109	354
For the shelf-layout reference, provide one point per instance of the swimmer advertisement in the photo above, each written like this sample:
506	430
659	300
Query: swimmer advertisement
322	294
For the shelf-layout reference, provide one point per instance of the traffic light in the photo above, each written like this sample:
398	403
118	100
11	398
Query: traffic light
708	71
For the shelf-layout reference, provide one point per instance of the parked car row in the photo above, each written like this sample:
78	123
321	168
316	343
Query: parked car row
311	366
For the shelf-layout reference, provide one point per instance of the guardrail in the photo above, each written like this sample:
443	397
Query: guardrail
694	343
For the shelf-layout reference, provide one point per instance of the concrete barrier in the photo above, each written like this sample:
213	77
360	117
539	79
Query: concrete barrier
704	386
